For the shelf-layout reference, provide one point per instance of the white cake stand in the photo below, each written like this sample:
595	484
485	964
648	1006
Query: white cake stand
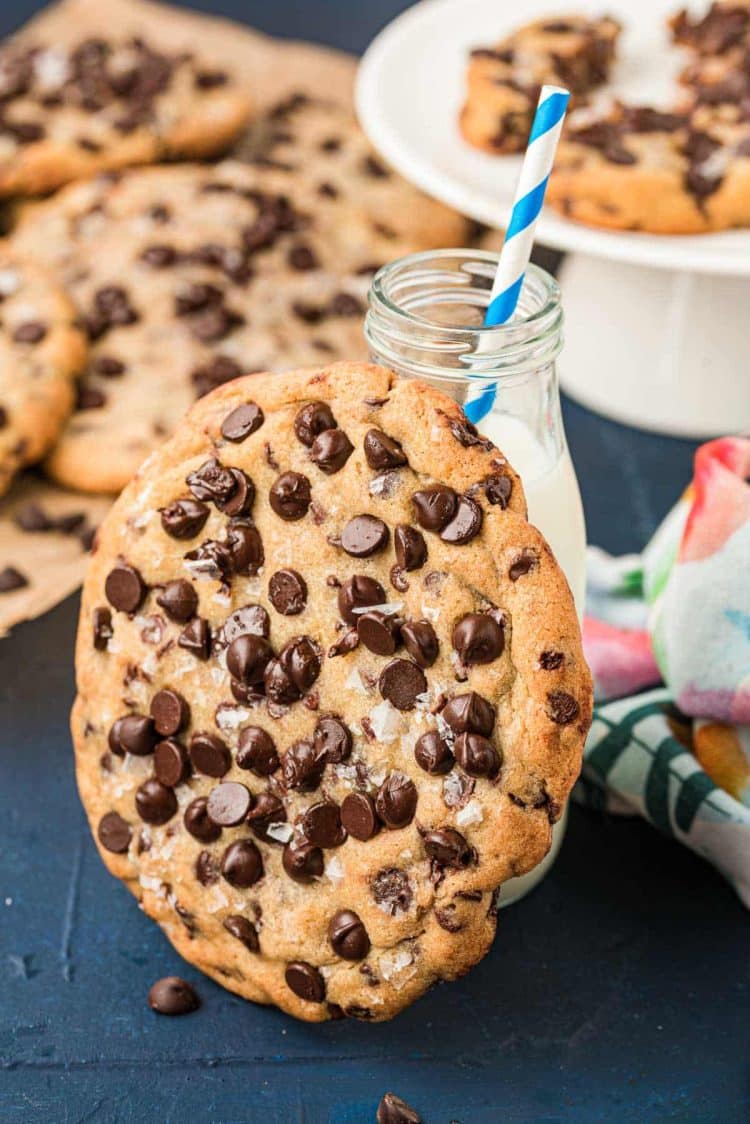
658	327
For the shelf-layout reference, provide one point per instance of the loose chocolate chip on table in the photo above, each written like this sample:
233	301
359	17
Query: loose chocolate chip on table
392	1110
248	657
257	751
331	450
469	713
435	506
396	801
302	861
302	766
184	518
359	592
171	762
178	599
448	848
466	524
401	683
242	422
102	628
332	738
311	420
359	817
321	824
114	833
209	754
348	936
243	930
267	810
241	864
305	981
173	996
287	591
379	632
170	712
382	451
124	588
411	549
196	638
364	535
562	708
135	733
197	822
155	803
421	642
478	638
290	496
228	803
476	755
432	753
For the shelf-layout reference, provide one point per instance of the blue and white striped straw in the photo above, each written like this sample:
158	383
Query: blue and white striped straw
519	237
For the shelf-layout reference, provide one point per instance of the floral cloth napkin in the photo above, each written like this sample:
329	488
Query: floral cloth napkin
679	615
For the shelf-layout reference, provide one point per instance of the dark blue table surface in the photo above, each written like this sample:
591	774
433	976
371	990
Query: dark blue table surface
618	991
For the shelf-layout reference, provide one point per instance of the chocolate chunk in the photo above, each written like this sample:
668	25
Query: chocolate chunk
114	833
245	547
421	642
241	864
251	619
346	644
333	739
171	762
243	930
302	861
170	712
206	869
562	708
212	482
402	682
12	579
523	564
196	638
432	753
465	524
257	751
300	661
313	419
173	996
435	507
178	599
241	422
302	766
359	592
277	685
184	518
198	823
32	331
476	755
392	1110
155	803
392	889
228	803
382	451
124	588
287	591
248	657
305	981
396	801
479	638
135	733
321	824
266	811
497	489
359	817
411	549
348	936
290	496
211	559
467	434
379	632
331	450
447	847
551	661
469	713
364	535
102	628
209	754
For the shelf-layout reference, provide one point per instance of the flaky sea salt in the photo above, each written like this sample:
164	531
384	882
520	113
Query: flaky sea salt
334	869
230	717
355	682
430	613
394	964
281	832
10	282
469	815
386	722
390	608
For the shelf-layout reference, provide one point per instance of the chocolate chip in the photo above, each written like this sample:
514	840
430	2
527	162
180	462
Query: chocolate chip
156	804
562	708
171	762
266	811
465	524
212	482
209	754
447	847
467	434
478	638
102	628
401	683
382	451
432	753
196	638
321	824
392	889
331	450
359	817
421	642
248	657
241	422
248	619
313	419
206	869
159	255
216	372
114	833
245	547
170	712
135	733
305	981
469	713
348	935
497	489
184	518
287	591
379	632
241	864
302	258
344	304
243	930
108	366
89	397
523	564
346	644
302	766
359	592
411	549
302	860
333	739
476	755
124	588
12	579
32	331
173	996
300	661
364	535
551	661
392	1110
435	507
257	751
178	599
33	518
197	822
290	496
396	801
228	803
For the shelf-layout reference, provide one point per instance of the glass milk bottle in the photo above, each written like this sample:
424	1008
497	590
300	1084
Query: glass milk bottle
425	320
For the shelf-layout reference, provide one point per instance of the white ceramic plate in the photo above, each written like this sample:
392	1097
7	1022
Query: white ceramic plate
409	92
